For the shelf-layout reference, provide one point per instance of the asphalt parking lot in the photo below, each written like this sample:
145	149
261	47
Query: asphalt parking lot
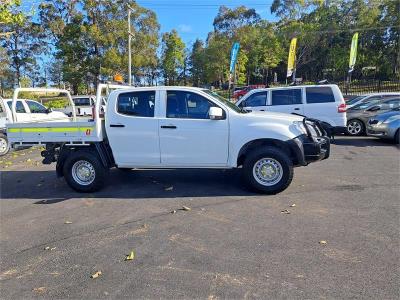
232	244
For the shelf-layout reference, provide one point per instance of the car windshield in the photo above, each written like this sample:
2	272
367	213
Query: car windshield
225	101
355	100
365	105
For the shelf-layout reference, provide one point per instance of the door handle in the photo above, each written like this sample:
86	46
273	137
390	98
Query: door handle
168	127
117	125
297	108
262	109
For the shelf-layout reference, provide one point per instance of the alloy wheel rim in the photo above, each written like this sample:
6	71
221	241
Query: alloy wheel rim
3	145
267	171
354	127
83	172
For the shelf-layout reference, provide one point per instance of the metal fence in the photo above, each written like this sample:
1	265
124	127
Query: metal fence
369	86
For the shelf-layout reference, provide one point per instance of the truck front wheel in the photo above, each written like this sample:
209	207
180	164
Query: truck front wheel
268	170
84	171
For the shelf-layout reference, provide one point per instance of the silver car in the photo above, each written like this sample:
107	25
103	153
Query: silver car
385	125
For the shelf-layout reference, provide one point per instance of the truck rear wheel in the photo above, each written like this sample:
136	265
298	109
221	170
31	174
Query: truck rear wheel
268	170
4	145
84	171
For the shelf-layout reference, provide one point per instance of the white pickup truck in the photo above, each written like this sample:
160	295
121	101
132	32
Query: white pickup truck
176	127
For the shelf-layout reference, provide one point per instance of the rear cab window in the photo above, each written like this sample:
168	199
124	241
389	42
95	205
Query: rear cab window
138	104
82	101
319	95
286	97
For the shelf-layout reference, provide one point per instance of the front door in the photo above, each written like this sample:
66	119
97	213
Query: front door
188	136
286	101
255	102
39	113
133	130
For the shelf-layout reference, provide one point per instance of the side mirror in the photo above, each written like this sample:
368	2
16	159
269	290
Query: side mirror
49	110
374	108
216	113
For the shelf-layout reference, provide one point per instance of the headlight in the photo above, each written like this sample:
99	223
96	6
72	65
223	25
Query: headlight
300	126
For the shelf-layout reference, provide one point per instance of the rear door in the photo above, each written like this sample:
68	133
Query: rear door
286	101
321	105
21	110
132	129
255	102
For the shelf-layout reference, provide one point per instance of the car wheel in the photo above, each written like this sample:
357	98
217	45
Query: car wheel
355	127
84	171
268	170
4	145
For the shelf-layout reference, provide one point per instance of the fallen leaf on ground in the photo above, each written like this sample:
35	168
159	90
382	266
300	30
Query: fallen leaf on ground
28	160
67	222
323	242
285	212
293	205
54	248
95	275
185	208
170	188
173	212
131	256
41	289
47	248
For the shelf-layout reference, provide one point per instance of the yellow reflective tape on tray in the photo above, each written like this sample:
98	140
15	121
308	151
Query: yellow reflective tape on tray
88	130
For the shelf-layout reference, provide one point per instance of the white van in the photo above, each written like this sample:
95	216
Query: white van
321	102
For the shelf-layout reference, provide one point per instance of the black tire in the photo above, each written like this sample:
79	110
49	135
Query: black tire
100	172
276	155
397	137
352	125
4	144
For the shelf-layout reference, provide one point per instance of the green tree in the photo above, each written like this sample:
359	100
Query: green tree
10	14
173	56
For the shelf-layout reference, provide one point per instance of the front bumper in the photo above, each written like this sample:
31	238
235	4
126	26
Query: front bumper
311	147
378	130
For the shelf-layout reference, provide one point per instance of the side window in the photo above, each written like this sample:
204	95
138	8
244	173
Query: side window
36	108
286	97
256	99
187	105
139	104
319	95
391	104
19	108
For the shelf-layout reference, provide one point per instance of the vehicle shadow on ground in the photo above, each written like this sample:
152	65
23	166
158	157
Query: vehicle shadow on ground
362	142
134	184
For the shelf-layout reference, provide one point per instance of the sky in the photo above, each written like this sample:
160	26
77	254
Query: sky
192	19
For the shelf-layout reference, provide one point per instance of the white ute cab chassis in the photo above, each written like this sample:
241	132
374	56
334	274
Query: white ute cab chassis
173	128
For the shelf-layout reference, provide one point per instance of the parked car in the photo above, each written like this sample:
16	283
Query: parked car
375	97
26	111
178	127
83	105
240	92
385	125
359	115
322	102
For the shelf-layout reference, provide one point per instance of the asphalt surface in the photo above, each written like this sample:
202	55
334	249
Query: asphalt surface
232	244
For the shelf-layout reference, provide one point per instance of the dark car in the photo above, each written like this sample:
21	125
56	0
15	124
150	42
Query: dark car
358	115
